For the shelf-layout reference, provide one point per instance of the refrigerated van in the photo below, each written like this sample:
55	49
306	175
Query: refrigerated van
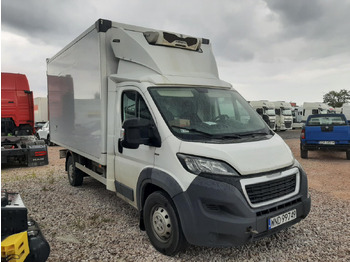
144	112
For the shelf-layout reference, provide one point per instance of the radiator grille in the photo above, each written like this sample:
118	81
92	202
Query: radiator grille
266	191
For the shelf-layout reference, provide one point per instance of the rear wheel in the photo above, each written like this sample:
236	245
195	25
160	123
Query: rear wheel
48	142
348	155
163	225
303	153
75	176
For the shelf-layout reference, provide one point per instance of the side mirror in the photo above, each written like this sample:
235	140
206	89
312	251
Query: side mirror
140	132
260	111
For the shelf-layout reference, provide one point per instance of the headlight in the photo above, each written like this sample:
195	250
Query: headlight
198	165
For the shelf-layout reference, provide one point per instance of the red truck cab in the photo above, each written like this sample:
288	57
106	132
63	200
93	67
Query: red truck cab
17	107
18	144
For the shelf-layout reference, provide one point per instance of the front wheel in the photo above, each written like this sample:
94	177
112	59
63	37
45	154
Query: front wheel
163	225
75	176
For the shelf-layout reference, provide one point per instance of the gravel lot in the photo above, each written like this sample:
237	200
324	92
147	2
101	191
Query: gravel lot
89	223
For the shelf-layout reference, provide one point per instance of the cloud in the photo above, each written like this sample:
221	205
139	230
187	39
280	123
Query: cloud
261	46
322	25
48	21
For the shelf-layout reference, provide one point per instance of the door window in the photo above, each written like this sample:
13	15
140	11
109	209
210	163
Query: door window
133	106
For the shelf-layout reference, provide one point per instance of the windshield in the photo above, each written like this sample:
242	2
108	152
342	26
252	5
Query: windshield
287	112
207	113
270	112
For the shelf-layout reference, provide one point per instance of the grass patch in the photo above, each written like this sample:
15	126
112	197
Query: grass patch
79	224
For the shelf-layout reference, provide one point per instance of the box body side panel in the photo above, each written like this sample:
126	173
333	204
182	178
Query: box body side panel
75	94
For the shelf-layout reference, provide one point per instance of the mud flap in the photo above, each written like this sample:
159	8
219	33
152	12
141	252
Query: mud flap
37	155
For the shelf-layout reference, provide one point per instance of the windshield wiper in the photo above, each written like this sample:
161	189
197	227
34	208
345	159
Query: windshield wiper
228	136
193	130
255	133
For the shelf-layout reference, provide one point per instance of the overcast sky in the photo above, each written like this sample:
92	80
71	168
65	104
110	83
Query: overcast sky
267	49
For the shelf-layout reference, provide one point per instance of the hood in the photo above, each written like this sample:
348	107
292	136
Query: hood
248	157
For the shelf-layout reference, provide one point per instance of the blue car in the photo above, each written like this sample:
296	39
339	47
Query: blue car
325	132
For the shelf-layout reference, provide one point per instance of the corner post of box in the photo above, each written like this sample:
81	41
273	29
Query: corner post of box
103	25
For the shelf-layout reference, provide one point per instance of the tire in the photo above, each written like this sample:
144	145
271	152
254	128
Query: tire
48	141
303	153
75	176
348	155
162	224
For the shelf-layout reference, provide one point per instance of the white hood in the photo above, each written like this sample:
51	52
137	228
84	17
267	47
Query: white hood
248	157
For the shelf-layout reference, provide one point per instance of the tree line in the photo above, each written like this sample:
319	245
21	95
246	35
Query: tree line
337	99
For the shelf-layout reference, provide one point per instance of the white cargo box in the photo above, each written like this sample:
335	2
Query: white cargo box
78	77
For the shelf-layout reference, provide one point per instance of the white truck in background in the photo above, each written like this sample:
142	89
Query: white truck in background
266	110
345	109
41	109
144	112
314	108
297	112
284	118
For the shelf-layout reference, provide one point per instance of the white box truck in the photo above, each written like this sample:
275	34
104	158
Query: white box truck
145	113
266	110
284	118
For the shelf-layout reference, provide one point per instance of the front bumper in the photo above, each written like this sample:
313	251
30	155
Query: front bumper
215	213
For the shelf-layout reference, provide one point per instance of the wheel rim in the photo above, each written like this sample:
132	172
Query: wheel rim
161	224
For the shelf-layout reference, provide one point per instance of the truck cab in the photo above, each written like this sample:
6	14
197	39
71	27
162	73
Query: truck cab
266	110
314	108
284	117
18	143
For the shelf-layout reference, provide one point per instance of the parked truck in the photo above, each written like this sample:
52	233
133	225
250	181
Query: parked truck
266	110
327	132
18	143
345	109
284	118
144	112
41	113
297	113
314	108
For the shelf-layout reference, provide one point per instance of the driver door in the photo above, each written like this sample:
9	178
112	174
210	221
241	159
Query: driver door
130	162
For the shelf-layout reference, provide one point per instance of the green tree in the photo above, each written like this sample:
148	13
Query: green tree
337	99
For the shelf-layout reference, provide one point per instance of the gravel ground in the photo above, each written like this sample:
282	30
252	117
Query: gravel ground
89	223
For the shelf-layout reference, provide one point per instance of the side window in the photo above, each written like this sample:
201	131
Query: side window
133	106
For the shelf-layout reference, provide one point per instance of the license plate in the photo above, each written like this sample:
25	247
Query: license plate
282	219
327	142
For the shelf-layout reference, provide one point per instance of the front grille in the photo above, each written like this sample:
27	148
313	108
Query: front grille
288	124
266	191
271	188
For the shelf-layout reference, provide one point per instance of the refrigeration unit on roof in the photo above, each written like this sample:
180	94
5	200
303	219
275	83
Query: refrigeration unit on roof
174	40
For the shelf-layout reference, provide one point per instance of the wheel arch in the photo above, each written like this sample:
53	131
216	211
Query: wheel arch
151	180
